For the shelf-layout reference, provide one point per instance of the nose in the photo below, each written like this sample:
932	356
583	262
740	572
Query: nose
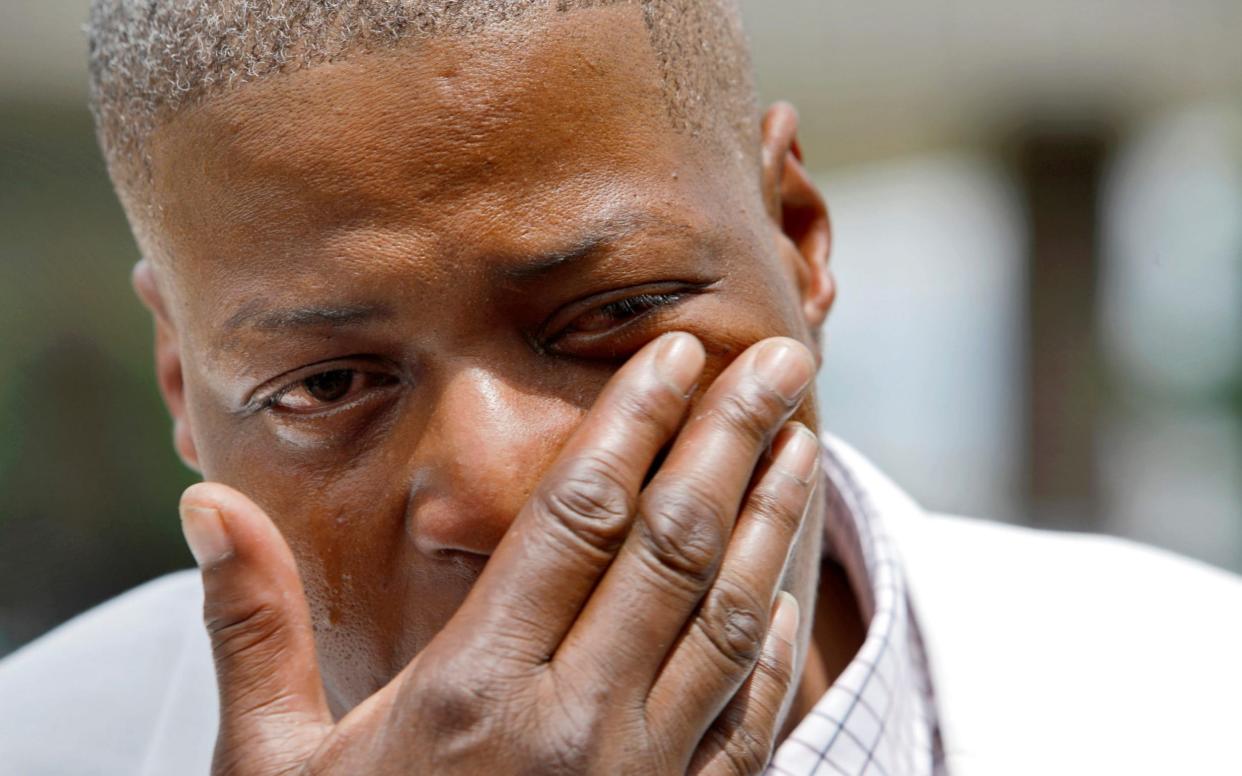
481	455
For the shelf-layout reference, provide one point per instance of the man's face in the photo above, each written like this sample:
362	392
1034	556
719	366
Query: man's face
398	283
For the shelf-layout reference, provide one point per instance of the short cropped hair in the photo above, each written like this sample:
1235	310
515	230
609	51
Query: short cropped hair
151	58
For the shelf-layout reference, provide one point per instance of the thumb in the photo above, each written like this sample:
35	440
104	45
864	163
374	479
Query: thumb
272	708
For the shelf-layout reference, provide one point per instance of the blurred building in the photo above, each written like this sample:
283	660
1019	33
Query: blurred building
1038	238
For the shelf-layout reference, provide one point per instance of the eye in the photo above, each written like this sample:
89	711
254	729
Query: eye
611	324
328	389
621	311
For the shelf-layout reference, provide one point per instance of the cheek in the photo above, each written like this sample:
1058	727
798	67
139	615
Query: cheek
342	519
339	508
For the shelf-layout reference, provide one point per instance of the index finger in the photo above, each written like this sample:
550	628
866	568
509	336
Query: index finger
545	567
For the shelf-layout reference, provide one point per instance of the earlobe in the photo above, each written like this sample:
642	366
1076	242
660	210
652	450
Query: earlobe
183	442
798	212
168	369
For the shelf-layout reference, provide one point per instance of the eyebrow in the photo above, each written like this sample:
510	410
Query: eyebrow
256	316
551	260
608	231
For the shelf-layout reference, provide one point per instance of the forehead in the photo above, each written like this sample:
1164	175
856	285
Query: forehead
565	101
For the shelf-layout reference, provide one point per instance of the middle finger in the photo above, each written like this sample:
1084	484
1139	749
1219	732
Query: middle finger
685	516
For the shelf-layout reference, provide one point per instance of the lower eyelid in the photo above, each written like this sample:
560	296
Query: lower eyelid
322	411
377	381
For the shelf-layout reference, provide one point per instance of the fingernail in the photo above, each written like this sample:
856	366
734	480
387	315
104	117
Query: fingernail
799	458
788	613
785	368
204	532
679	362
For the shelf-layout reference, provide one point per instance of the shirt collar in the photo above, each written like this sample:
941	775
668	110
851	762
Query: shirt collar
879	716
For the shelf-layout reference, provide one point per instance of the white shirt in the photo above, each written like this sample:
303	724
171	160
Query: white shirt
879	716
1067	654
1044	654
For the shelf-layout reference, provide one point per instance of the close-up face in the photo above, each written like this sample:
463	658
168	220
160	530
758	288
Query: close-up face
394	284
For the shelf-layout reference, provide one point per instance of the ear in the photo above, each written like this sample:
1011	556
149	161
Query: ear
798	211
167	360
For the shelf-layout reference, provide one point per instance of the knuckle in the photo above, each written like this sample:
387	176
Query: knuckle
555	757
745	738
681	532
734	622
777	674
590	501
564	749
449	705
569	739
746	752
754	416
781	503
649	408
238	631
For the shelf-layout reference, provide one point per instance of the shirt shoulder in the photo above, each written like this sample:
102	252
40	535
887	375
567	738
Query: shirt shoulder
114	688
1063	653
1051	563
1087	644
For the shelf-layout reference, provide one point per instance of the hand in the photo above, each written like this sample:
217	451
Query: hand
617	628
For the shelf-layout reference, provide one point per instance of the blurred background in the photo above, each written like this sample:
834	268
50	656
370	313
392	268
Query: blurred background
1038	225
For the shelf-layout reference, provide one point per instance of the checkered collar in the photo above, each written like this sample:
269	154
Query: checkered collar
879	717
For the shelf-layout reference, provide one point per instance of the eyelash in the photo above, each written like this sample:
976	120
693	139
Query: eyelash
633	306
590	327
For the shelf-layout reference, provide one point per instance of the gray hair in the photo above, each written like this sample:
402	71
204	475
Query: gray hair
151	58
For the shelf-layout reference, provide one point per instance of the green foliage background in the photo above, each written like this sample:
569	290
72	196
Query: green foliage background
88	478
